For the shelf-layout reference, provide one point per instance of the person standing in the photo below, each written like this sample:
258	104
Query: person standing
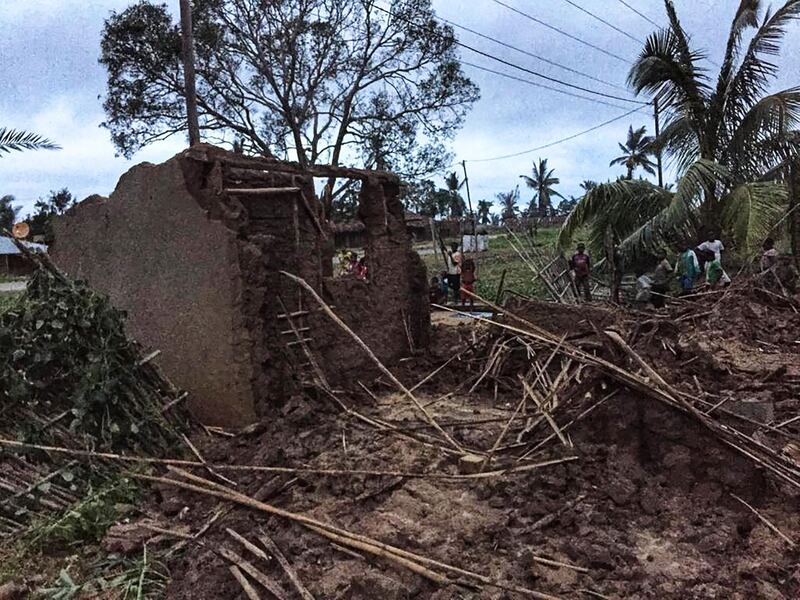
712	244
581	267
688	269
454	271
468	280
661	277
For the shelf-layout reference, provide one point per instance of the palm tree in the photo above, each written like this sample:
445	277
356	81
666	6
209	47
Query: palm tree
456	201
14	140
484	210
542	184
725	140
508	202
635	152
587	185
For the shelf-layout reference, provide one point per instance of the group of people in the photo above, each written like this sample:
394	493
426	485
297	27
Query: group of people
458	279
701	263
351	264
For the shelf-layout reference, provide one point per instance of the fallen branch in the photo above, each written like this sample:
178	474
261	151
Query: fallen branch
287	568
249	590
766	522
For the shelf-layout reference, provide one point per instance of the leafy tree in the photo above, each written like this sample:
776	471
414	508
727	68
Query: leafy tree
425	199
566	206
725	138
40	221
345	205
636	152
542	184
484	212
8	212
509	204
12	140
321	80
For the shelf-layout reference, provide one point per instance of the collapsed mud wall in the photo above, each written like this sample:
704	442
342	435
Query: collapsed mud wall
192	249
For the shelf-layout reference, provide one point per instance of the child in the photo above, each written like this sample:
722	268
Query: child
361	270
435	292
454	271
444	285
688	268
644	285
468	280
715	274
581	267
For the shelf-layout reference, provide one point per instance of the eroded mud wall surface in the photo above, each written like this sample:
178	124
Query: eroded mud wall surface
395	297
152	248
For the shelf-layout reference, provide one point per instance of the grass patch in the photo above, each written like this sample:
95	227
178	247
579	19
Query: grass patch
7	300
501	256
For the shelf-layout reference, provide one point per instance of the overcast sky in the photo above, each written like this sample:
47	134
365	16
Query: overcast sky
51	83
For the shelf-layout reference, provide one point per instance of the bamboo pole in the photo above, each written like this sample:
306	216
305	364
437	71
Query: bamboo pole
176	462
216	490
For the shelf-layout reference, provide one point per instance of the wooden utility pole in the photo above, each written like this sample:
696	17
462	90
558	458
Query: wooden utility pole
469	204
187	40
658	132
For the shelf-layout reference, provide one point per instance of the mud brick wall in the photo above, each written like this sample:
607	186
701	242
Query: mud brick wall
196	261
396	291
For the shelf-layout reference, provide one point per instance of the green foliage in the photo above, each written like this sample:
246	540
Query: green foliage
484	212
8	213
8	300
322	77
64	347
12	140
725	139
88	520
424	198
122	577
40	221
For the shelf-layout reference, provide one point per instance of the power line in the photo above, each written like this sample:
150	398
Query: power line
541	85
562	140
531	54
562	32
602	20
513	65
645	17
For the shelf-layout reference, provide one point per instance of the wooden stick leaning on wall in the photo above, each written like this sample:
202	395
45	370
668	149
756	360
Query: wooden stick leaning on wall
335	318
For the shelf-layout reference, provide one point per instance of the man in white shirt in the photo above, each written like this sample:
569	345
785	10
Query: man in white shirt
713	245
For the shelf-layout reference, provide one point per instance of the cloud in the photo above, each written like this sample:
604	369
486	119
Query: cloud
86	163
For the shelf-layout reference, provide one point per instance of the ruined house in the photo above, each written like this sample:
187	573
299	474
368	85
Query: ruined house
193	248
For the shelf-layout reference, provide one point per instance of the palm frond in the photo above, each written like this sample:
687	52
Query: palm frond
12	140
678	140
752	210
755	73
621	205
764	136
678	220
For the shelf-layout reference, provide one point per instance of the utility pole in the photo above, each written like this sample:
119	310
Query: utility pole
187	40
469	205
658	153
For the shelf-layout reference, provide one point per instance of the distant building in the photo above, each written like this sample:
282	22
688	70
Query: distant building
352	234
12	261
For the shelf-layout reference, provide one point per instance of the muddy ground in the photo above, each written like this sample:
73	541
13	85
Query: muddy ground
647	510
